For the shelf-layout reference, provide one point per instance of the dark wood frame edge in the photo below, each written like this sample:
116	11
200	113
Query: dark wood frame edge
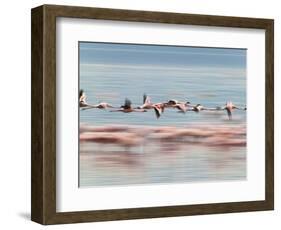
43	125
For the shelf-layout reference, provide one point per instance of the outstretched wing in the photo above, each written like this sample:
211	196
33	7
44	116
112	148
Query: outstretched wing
172	102
229	104
157	112
181	107
240	108
146	99
229	114
82	96
127	104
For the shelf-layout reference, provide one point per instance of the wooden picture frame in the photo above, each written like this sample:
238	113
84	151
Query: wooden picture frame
43	205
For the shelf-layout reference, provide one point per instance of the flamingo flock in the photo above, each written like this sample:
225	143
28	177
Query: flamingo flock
158	108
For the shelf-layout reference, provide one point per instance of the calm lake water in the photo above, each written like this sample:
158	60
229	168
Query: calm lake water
113	73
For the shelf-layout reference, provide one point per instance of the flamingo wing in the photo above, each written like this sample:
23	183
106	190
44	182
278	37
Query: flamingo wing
144	98
229	113
127	104
181	107
157	112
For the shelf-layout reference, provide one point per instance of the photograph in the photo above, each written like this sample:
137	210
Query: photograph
141	114
161	114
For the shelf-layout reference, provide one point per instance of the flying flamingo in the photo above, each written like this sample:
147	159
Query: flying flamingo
127	108
147	104
181	106
229	107
84	105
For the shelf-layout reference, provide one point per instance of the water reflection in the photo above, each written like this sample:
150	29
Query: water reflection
125	154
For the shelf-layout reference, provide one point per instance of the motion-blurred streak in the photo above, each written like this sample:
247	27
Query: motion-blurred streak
120	138
129	136
110	128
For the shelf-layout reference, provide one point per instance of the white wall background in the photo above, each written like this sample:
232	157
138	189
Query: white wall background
15	113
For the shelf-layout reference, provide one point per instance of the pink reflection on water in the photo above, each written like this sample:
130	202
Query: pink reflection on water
126	154
129	136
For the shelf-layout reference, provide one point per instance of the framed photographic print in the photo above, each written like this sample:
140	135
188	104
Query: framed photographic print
140	114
